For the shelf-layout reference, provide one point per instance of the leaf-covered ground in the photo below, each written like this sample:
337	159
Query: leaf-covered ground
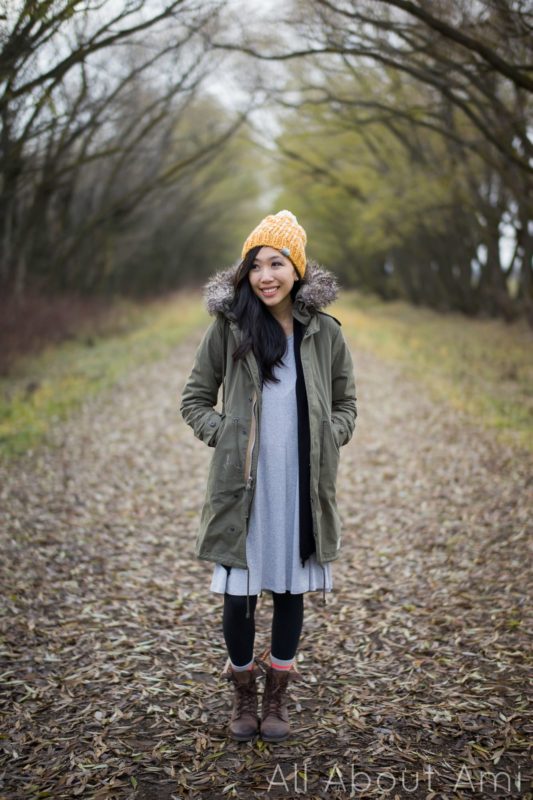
417	670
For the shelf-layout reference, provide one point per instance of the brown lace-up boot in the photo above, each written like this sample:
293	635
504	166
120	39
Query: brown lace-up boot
274	712
244	722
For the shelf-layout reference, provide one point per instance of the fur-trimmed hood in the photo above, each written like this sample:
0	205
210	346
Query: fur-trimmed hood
319	288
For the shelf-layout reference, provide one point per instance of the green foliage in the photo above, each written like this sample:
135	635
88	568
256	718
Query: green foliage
370	187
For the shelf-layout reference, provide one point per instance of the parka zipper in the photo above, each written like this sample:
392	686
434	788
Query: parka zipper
322	441
250	446
249	480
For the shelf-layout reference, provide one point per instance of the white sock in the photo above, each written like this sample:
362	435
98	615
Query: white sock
243	668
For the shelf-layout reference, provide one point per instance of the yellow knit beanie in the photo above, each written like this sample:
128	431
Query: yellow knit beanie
282	232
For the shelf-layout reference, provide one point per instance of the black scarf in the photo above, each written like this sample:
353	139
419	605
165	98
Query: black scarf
307	539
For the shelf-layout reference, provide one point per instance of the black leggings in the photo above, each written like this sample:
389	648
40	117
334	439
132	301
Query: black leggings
239	632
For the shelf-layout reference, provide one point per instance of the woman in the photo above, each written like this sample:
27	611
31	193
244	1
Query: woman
270	520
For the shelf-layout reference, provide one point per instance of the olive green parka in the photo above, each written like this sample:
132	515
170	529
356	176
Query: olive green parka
235	433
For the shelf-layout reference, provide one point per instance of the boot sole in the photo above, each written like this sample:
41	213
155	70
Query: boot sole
243	738
275	738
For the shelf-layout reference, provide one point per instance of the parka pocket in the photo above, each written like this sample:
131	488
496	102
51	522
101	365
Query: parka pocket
329	449
228	454
211	429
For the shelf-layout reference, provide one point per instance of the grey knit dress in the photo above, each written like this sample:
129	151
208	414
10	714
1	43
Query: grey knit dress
272	543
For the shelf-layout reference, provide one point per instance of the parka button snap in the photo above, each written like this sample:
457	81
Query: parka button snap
212	424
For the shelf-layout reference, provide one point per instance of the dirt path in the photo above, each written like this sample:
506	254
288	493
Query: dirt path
416	669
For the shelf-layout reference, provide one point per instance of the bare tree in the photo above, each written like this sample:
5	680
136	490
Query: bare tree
95	91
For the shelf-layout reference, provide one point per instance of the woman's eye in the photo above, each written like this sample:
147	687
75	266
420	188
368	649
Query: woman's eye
274	264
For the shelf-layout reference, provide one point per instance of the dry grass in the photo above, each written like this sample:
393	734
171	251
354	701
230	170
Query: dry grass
480	367
47	387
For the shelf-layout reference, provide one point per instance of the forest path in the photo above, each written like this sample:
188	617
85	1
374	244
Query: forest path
416	669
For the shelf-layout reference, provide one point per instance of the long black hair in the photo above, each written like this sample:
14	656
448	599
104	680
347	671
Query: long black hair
261	332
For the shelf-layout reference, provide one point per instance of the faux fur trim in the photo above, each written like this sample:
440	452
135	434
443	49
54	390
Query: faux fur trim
319	288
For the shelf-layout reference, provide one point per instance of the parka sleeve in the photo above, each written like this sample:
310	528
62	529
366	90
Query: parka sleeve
200	393
344	406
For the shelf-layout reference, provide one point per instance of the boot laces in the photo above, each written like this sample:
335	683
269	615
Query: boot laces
276	697
246	698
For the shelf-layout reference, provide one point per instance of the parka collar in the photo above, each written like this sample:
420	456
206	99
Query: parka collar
319	288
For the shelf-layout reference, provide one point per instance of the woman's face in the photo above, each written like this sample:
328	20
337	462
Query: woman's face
272	277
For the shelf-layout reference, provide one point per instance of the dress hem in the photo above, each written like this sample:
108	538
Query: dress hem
306	591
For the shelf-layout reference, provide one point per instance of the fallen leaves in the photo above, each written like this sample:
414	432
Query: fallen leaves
417	668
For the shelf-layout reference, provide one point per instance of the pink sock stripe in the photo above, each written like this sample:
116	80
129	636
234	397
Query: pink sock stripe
275	665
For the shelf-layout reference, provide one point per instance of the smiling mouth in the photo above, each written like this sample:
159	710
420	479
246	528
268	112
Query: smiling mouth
270	291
